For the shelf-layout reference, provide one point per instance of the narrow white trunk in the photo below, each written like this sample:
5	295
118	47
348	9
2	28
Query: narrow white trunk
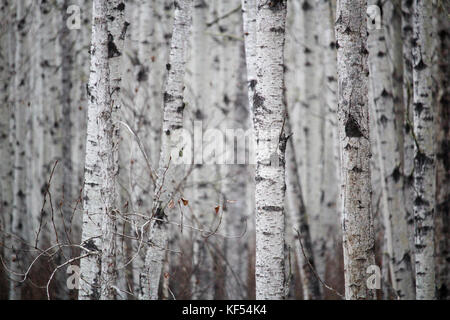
6	148
442	157
268	121
408	122
234	183
205	198
390	149
424	156
170	172
20	220
99	190
353	112
297	213
330	177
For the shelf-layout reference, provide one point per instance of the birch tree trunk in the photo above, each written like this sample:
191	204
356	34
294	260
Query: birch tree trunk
234	185
249	26
390	151
145	116
116	28
311	119
268	121
7	110
330	178
19	221
99	191
297	213
353	113
408	122
169	169
424	156
443	156
205	198
80	100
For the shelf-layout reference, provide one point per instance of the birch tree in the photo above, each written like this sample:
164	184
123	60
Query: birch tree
6	148
99	167
443	154
169	173
19	220
116	28
424	156
205	198
249	28
408	122
297	212
330	177
268	121
80	102
390	151
353	113
235	173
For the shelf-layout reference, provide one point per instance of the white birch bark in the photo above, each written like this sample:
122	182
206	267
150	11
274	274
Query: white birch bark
299	219
143	31
204	196
353	113
19	220
390	149
408	140
80	78
170	173
311	119
99	167
443	156
249	27
66	73
234	183
330	178
116	28
392	22
424	156
268	119
6	148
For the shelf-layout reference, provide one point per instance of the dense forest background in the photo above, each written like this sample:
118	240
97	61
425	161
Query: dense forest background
134	162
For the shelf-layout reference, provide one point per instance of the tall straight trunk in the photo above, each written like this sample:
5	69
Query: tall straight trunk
443	156
390	152
99	190
312	123
330	178
408	140
234	184
20	220
249	27
6	107
145	114
205	198
297	213
79	111
424	155
268	121
392	21
170	172
116	29
66	44
353	112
